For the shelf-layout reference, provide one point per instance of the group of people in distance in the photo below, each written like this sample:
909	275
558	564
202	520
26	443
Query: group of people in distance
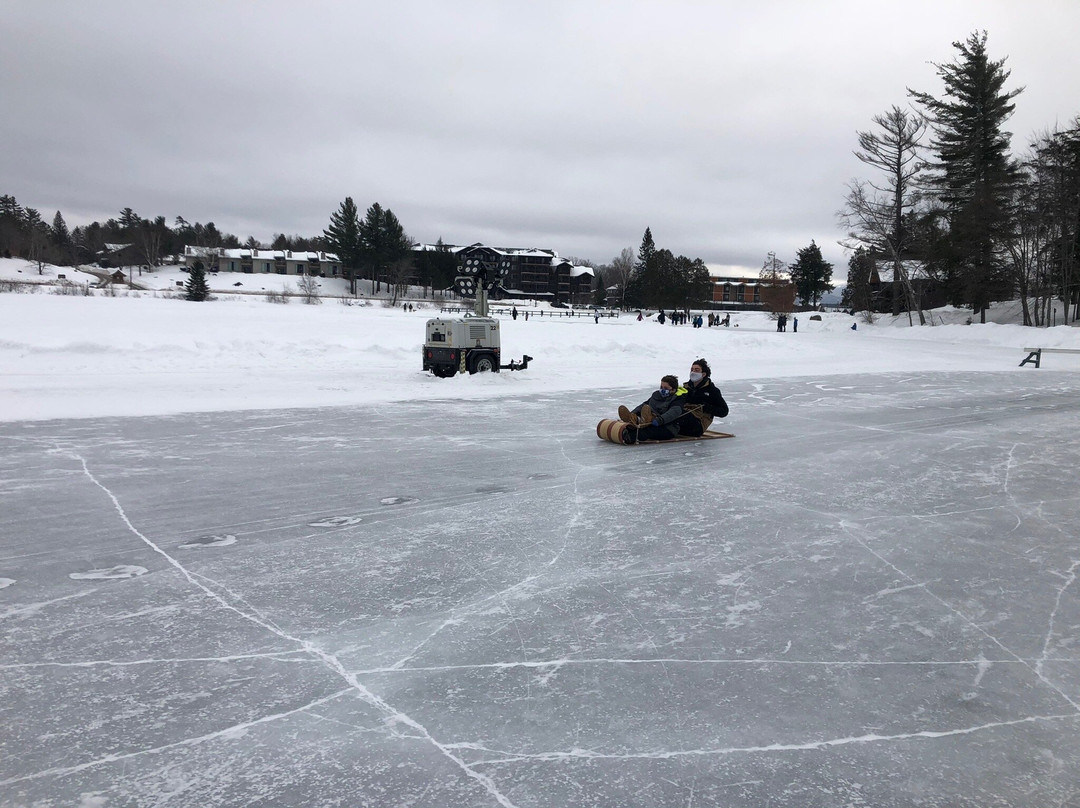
675	410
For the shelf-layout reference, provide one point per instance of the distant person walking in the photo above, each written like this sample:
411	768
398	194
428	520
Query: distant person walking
794	325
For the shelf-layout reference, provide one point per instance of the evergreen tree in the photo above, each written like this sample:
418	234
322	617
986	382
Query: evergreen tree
37	234
437	267
129	220
646	251
383	242
599	293
371	239
397	244
195	288
61	239
60	233
343	237
857	293
811	274
641	286
12	239
973	174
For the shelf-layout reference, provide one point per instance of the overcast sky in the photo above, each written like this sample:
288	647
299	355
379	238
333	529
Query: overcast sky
726	127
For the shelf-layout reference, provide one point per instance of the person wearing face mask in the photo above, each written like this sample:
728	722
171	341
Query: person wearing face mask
700	401
654	419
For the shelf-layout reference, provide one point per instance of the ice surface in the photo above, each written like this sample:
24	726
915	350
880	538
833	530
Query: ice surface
868	597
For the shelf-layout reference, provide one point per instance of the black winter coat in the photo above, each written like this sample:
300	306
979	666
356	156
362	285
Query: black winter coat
703	400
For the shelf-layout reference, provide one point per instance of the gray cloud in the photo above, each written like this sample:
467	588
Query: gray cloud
725	127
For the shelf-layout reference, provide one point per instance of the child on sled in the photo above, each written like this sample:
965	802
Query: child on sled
656	418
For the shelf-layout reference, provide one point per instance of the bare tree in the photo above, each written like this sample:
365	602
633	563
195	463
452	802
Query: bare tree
1030	239
401	268
622	267
151	234
309	289
875	212
777	292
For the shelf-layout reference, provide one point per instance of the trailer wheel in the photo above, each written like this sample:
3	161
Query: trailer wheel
482	363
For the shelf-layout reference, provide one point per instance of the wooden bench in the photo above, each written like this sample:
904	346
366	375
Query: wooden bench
1035	354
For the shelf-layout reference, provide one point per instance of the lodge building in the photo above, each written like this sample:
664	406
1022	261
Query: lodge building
745	293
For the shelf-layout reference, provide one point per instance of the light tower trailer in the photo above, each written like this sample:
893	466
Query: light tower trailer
469	344
465	345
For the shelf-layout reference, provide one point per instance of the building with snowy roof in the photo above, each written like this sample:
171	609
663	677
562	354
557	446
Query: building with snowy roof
264	262
533	273
746	294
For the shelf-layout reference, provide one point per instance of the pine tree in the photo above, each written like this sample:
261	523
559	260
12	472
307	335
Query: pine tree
60	237
343	237
641	287
857	292
129	220
372	242
646	251
195	288
811	274
973	175
599	293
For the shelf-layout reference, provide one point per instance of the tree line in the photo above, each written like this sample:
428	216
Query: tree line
656	279
375	247
378	249
948	205
24	233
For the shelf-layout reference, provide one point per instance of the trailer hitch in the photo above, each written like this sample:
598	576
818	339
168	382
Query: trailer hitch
522	365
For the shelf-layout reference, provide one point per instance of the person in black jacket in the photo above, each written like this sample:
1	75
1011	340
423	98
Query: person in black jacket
701	403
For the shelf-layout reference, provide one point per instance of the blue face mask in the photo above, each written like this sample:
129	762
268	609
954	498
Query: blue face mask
665	392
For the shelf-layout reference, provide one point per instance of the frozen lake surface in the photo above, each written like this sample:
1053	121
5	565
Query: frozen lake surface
868	597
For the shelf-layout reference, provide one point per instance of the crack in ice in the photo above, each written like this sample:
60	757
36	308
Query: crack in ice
978	663
847	527
328	659
1070	578
115	663
807	746
229	732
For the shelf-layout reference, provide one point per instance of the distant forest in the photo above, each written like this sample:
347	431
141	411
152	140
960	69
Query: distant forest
26	234
379	247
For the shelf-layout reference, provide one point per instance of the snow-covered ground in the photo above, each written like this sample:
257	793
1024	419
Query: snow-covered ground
74	356
301	572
